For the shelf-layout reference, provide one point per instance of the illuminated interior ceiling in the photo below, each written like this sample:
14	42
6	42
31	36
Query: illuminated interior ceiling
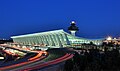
58	38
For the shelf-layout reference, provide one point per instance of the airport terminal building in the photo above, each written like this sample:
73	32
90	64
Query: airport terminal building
57	38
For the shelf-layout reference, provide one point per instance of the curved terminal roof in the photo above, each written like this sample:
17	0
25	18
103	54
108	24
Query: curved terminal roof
54	31
41	33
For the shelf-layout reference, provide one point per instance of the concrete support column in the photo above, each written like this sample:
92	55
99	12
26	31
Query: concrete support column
52	41
66	39
46	38
55	40
62	39
58	40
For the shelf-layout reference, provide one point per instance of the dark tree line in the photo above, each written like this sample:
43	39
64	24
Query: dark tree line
94	60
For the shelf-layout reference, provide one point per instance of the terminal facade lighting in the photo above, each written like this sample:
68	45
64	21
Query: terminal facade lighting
55	38
73	28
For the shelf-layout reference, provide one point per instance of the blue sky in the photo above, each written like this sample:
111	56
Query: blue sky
95	18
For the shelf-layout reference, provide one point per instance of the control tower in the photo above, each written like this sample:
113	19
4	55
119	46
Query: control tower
73	28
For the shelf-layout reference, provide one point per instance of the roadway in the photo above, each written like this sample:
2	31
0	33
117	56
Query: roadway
39	61
15	48
34	59
38	65
49	63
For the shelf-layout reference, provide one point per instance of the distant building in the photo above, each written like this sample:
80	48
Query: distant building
5	41
115	41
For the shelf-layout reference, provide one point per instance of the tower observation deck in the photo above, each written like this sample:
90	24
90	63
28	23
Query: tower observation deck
73	28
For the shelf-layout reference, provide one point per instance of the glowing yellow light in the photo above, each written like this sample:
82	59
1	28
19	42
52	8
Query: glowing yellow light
1	57
109	38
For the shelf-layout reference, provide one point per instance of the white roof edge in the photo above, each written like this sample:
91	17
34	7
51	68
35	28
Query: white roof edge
60	30
85	38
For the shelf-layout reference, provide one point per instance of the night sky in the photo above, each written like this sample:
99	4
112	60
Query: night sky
95	18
